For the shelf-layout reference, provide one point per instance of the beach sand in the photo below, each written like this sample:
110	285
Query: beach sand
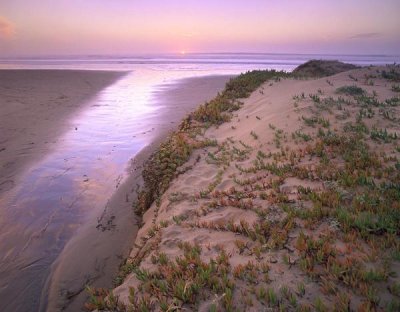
35	109
110	246
221	202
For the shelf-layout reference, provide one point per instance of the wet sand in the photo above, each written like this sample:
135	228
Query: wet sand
35	106
35	110
111	236
99	243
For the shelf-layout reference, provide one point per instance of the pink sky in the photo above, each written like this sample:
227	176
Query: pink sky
32	27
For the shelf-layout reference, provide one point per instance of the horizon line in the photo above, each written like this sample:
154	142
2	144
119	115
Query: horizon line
152	54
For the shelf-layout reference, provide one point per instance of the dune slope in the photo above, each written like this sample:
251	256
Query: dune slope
292	204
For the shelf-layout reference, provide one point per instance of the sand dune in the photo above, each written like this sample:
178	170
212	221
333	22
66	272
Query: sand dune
245	204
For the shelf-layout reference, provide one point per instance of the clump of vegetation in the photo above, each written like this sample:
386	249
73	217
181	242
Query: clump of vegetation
254	135
321	68
353	78
351	90
217	110
392	75
314	120
300	134
382	134
161	167
177	283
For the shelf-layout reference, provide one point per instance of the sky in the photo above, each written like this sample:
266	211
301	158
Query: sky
77	27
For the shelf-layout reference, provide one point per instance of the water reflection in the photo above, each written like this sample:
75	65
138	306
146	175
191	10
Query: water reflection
61	191
72	184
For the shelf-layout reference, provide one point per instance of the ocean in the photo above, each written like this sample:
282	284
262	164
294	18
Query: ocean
223	63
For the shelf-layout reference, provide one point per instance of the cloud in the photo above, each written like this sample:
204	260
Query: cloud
7	29
366	35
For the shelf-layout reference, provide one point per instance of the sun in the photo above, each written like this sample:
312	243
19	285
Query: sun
183	52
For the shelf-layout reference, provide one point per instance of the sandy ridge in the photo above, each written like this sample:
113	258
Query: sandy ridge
258	224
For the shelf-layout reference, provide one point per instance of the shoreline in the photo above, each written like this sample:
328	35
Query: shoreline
66	285
46	86
37	110
37	107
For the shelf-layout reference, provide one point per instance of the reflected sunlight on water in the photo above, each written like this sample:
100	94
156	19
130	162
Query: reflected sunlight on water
73	183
